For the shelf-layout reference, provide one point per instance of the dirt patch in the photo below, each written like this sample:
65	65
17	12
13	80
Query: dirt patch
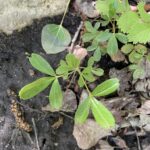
15	73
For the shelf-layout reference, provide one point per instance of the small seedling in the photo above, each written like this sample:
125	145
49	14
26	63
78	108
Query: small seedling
105	41
68	67
136	54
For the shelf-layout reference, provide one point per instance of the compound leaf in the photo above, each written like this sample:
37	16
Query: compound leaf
106	88
102	115
55	38
32	89
39	63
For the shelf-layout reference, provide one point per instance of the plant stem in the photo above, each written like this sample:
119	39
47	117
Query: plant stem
65	12
84	82
113	27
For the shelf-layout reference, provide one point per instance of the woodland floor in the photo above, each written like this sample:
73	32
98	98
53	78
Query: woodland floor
15	72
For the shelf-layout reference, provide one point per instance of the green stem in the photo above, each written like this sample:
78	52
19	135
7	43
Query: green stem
65	12
78	70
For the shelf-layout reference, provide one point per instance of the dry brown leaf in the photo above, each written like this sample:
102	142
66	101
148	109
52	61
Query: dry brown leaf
145	108
118	57
58	123
103	145
89	133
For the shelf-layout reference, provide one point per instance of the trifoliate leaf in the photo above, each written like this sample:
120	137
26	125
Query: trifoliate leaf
133	67
101	114
135	57
32	89
82	111
127	20
112	46
39	63
56	96
55	38
126	49
140	49
138	73
106	88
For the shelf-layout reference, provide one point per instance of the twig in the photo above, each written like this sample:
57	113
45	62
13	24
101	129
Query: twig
75	36
66	115
35	132
138	141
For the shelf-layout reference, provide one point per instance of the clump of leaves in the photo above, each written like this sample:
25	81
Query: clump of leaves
136	24
105	41
136	54
88	74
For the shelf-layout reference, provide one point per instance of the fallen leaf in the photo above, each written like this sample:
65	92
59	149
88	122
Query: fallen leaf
58	123
103	145
124	77
118	57
145	108
89	133
120	142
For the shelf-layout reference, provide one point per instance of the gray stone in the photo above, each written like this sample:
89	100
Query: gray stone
16	14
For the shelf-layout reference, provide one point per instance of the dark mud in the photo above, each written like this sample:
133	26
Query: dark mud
14	74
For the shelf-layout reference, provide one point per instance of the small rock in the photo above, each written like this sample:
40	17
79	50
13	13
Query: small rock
87	8
16	14
89	133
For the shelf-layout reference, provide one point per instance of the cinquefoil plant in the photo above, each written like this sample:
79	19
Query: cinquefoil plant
87	74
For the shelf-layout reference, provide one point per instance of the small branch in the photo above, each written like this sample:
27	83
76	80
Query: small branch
35	132
75	36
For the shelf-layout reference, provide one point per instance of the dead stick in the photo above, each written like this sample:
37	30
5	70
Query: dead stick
35	132
75	36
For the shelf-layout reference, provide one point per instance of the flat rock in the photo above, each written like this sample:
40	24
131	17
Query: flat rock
16	14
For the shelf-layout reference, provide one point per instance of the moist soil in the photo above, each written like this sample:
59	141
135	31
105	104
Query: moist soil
15	72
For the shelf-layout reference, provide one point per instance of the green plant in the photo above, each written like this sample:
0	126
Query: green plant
136	55
67	68
105	41
136	24
55	38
